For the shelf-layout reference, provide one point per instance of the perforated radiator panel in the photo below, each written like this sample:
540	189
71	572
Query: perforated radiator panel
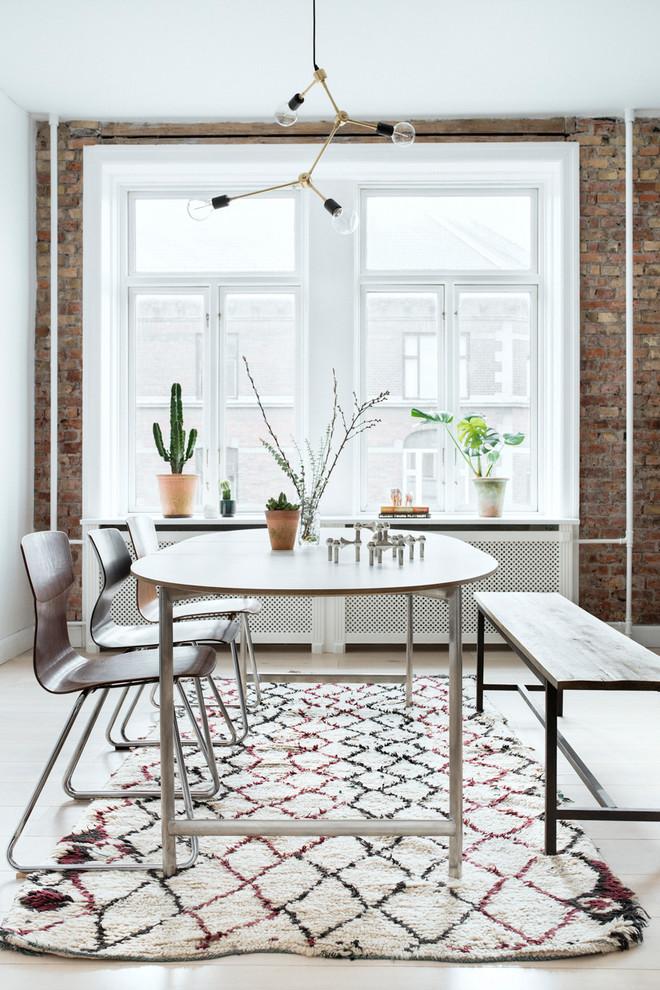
289	618
524	564
527	565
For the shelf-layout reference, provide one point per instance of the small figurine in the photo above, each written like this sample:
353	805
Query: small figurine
409	500
395	496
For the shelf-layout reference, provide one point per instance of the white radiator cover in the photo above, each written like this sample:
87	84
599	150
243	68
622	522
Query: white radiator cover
529	560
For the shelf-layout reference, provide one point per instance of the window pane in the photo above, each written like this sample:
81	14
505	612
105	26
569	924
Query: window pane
495	329
457	233
169	341
263	328
249	235
169	347
401	356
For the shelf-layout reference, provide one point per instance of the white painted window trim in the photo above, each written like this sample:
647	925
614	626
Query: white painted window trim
331	316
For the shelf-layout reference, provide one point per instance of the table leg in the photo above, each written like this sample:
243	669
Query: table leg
166	653
455	732
409	650
481	635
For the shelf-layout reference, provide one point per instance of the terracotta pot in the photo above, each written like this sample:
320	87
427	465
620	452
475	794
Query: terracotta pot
282	525
490	496
177	494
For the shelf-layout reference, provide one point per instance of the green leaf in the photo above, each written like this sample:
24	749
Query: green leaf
472	432
513	439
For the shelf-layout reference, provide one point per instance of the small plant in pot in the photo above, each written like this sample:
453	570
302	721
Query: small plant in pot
480	446
177	490
282	521
227	503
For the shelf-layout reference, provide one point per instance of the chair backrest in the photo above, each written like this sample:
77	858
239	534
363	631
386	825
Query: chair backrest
115	566
49	565
145	541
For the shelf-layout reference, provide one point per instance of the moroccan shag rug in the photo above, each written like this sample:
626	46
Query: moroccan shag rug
337	750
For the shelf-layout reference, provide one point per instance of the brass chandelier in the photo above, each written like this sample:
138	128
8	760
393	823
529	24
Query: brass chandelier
343	221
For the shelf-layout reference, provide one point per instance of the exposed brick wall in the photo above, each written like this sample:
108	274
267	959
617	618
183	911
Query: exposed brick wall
602	370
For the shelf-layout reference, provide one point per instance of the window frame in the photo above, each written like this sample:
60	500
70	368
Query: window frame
330	321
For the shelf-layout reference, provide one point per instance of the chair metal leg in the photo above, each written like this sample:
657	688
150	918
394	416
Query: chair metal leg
256	681
25	817
241	700
128	743
113	718
132	792
233	737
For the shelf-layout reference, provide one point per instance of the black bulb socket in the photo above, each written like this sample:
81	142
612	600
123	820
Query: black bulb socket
387	130
219	201
296	101
332	206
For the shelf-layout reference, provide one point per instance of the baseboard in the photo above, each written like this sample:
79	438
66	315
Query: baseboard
647	636
12	646
77	635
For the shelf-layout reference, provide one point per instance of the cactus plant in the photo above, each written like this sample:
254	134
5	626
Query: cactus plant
225	488
178	453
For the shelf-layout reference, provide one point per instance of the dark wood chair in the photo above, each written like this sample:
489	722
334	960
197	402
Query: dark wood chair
144	537
114	562
59	669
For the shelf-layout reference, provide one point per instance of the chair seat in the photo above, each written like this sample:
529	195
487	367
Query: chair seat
206	609
139	667
111	636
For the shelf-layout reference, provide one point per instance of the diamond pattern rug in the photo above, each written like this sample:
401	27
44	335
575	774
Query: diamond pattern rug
338	750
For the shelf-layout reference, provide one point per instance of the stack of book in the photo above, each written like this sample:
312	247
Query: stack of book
404	512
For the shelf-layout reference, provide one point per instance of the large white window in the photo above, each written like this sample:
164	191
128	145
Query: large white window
200	297
458	292
468	343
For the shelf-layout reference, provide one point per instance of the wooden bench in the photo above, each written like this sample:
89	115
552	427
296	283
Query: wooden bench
567	649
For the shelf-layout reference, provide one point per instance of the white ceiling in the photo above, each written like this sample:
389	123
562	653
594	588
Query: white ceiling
391	59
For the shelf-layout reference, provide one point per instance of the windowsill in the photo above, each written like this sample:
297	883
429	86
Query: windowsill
439	519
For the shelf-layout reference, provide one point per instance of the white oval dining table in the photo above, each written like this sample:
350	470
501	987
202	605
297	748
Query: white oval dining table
241	562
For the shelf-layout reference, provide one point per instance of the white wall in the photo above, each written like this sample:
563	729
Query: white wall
16	373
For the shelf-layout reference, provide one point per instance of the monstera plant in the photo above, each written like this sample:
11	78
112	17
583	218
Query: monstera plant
480	446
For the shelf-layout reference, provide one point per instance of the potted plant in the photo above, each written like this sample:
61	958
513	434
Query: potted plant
480	447
227	503
177	490
282	522
309	472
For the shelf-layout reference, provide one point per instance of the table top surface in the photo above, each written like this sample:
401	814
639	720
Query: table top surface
242	562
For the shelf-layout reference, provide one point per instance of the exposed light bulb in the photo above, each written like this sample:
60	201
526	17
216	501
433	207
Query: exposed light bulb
403	134
285	116
345	221
287	112
200	209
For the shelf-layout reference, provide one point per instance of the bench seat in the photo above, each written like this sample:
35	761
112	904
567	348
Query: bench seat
567	649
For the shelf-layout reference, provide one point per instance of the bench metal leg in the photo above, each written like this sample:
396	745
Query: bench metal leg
481	627
550	770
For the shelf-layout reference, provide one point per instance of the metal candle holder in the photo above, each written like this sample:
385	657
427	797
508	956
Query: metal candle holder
382	540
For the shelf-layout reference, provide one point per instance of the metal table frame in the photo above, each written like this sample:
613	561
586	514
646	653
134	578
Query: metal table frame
190	826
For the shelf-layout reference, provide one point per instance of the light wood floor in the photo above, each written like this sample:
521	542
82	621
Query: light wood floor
618	734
